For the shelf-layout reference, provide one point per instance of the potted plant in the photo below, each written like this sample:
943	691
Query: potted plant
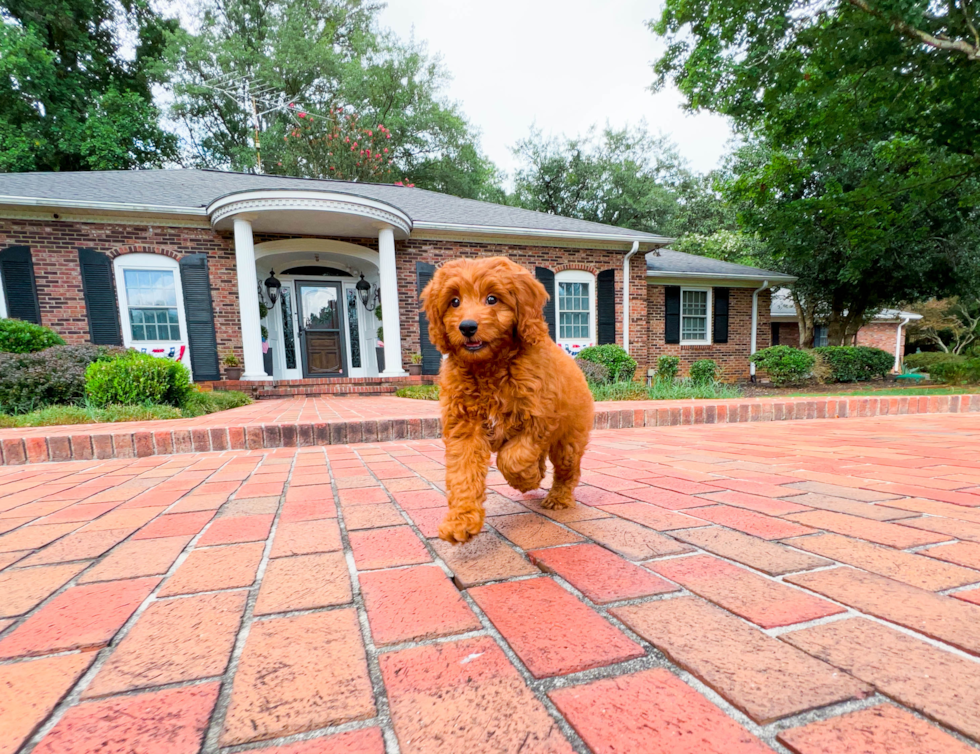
415	367
233	367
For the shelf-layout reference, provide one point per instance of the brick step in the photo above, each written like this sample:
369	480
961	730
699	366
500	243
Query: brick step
310	391
334	386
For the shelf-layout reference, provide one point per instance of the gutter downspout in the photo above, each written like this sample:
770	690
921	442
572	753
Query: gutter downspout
626	296
898	344
755	323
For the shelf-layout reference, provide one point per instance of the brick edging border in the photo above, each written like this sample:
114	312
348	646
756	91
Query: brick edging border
105	445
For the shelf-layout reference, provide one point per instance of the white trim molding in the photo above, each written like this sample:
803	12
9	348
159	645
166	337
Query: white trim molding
256	202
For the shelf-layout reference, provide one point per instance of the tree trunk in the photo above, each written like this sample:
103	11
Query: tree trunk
804	316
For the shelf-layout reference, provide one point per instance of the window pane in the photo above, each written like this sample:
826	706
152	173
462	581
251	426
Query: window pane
695	303
138	332
574	310
694	328
151	332
175	332
154	324
150	287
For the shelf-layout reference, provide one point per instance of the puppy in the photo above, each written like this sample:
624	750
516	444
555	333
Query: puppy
505	388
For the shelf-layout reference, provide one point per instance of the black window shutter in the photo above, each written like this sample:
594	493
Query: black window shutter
606	306
774	330
100	298
431	358
199	315
547	278
19	286
672	314
720	311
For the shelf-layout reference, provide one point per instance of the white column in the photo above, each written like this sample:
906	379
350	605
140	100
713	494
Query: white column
389	305
248	300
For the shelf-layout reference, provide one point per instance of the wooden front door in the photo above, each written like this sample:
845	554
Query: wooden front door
321	331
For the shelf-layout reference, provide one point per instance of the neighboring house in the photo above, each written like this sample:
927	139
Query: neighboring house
174	262
886	330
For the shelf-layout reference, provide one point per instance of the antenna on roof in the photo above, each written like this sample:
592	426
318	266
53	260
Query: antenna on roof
254	95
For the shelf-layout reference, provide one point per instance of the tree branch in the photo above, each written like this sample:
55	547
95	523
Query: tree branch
940	42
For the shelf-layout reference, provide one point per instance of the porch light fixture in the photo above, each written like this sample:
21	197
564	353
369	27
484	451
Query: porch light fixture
364	290
272	286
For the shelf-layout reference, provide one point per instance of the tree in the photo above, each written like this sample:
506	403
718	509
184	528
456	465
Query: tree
621	177
847	225
75	85
951	324
329	59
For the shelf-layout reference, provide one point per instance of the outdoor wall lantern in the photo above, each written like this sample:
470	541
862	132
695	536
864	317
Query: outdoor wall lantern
364	291
272	286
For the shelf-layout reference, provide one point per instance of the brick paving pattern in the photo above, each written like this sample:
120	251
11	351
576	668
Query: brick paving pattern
809	588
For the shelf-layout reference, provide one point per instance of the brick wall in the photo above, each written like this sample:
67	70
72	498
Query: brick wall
878	335
54	247
733	356
789	334
595	260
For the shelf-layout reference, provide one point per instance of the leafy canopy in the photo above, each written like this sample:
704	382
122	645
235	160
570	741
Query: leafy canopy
75	85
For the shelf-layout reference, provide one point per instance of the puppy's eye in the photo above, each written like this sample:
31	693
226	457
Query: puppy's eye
454	303
491	300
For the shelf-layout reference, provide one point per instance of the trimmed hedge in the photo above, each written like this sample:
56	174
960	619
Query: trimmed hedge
667	368
855	363
137	378
17	336
966	372
32	381
926	360
620	364
785	365
703	372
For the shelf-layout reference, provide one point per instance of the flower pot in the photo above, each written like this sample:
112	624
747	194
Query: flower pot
233	373
415	369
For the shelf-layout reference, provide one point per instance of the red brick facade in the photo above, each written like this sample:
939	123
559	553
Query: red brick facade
878	335
789	334
54	245
732	357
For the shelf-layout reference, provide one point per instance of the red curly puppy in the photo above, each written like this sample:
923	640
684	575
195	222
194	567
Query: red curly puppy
505	387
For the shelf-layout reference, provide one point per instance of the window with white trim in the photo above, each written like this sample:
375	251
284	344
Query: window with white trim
151	304
575	292
695	316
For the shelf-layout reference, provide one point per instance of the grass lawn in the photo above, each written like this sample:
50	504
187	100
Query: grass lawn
947	390
197	405
619	391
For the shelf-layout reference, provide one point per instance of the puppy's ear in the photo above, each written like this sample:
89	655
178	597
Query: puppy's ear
531	298
433	305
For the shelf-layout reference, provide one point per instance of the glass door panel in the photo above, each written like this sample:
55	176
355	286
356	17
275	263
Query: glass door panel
320	328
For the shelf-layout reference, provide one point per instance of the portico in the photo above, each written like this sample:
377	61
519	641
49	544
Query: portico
319	327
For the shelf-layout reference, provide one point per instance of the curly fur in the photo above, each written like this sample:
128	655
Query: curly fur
519	396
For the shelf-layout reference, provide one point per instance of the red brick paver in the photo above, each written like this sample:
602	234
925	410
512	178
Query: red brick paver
175	577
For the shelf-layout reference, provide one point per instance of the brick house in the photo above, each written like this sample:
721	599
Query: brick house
175	262
886	330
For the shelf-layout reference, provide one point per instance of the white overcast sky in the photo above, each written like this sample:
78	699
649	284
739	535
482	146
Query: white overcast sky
560	65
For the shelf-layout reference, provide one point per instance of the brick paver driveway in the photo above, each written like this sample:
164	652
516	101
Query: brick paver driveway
806	586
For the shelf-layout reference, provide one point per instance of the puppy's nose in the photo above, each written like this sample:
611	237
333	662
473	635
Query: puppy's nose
468	327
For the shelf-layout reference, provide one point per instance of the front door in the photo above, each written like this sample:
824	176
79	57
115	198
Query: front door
321	331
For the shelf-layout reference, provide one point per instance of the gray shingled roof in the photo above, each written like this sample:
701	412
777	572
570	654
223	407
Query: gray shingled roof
677	262
196	189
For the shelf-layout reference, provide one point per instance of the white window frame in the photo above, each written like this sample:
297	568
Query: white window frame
159	263
706	341
3	299
575	276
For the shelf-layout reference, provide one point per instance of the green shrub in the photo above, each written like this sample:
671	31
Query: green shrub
667	368
198	404
421	392
785	365
703	372
620	364
17	336
30	381
598	373
966	372
924	361
855	363
137	378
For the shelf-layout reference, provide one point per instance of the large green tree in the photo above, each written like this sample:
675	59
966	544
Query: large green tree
75	85
327	64
624	177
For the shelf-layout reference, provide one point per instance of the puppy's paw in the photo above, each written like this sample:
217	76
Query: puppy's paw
458	528
557	502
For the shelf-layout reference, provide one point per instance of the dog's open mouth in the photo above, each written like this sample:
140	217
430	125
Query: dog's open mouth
474	345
